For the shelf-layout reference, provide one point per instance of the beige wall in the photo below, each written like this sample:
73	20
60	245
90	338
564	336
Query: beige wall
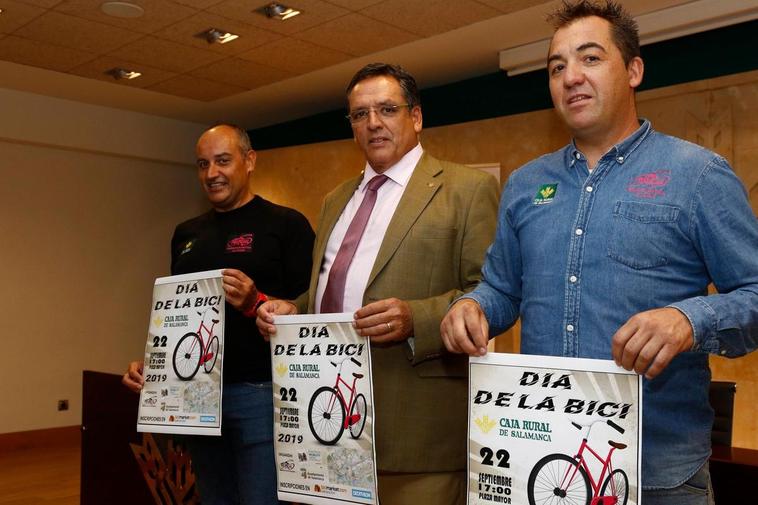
88	200
721	114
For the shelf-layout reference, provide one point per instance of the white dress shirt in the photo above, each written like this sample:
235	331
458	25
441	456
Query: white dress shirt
387	198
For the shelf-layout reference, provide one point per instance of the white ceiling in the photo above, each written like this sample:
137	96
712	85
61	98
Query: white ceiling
61	48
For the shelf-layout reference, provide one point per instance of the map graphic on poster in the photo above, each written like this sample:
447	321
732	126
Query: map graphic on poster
323	410
546	430
183	356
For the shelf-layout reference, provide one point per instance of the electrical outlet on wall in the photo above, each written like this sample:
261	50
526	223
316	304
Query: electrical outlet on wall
62	405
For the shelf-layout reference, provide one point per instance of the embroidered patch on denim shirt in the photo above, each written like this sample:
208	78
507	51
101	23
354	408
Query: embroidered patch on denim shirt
650	185
545	194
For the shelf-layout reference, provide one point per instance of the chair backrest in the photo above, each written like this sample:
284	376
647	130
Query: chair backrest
722	401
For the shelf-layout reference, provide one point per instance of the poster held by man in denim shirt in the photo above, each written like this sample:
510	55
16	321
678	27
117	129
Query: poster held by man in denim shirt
550	430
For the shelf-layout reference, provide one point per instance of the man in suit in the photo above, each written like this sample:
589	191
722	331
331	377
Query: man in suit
417	248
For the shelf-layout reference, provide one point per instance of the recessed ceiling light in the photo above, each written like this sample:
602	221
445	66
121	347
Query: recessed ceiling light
122	9
119	73
278	11
214	35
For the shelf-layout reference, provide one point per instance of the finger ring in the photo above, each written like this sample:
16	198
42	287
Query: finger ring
389	327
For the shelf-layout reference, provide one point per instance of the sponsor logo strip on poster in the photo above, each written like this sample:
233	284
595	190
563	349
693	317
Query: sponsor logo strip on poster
547	430
323	411
183	356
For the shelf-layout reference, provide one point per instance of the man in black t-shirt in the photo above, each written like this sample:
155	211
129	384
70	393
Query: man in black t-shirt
263	248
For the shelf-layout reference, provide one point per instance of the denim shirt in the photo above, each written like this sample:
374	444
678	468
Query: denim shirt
577	253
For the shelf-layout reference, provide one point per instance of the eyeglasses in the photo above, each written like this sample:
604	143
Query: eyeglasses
385	111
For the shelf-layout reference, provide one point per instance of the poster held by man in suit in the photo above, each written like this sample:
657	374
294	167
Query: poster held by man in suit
395	245
323	410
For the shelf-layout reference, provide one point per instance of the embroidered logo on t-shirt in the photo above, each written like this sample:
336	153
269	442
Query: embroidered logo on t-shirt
545	194
240	244
650	185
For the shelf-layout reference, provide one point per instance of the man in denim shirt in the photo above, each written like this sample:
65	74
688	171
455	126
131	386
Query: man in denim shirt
606	247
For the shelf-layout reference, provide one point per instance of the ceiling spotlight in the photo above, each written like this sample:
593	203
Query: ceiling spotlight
122	9
214	35
119	73
278	11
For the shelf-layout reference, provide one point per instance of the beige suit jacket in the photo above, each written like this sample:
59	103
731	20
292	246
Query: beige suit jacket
432	252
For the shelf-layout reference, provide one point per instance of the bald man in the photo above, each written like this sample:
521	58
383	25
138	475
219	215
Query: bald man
264	249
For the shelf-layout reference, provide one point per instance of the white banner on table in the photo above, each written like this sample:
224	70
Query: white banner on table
323	410
546	430
184	356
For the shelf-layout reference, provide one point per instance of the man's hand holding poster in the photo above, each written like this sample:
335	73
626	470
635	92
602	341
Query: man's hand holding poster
183	356
323	410
553	431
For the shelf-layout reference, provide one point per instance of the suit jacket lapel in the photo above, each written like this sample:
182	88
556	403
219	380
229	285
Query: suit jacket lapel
422	186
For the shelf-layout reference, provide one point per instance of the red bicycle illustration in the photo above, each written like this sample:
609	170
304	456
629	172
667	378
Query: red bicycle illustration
194	350
563	479
327	409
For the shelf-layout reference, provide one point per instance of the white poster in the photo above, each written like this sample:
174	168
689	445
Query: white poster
184	356
323	410
546	430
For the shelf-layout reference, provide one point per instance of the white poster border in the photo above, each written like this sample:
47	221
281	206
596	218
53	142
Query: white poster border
193	276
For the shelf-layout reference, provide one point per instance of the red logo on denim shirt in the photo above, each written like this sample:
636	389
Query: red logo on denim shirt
650	185
243	243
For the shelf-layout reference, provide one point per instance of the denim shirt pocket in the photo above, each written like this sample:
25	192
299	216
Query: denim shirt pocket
641	233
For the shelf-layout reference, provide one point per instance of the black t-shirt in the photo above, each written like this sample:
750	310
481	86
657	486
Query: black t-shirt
272	245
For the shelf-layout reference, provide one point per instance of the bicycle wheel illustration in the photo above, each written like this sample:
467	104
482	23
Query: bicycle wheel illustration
616	484
358	409
557	479
213	351
187	355
326	415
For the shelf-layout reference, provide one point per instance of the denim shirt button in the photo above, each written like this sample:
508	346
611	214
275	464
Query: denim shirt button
573	278
578	231
722	352
570	327
588	189
620	159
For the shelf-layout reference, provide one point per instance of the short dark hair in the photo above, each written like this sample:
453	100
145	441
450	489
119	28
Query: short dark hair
243	139
624	30
406	80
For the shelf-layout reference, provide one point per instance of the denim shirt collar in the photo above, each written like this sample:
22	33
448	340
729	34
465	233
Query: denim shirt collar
620	151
